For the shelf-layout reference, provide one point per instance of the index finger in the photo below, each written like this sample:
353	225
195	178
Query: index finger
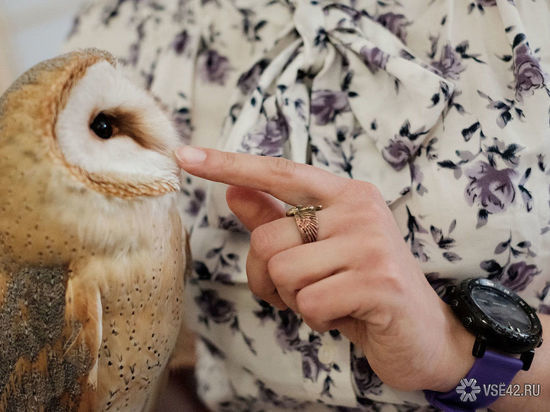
291	182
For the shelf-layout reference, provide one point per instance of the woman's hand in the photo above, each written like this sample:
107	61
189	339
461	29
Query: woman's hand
359	276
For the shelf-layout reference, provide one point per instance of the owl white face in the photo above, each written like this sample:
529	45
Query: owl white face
112	129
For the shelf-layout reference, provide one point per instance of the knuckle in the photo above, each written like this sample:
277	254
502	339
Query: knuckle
259	288
347	188
258	282
282	167
390	277
394	282
364	192
228	160
256	290
378	256
370	190
255	287
261	240
277	270
306	302
381	211
370	258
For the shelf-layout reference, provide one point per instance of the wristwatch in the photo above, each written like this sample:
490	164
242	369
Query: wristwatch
507	331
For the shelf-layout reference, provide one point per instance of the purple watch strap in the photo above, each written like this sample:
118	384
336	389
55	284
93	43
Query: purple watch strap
473	392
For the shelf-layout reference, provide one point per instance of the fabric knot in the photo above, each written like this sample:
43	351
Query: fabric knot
337	76
310	23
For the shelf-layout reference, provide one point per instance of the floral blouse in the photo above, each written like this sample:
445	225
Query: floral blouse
444	105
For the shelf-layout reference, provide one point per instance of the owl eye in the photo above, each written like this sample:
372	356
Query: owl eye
102	127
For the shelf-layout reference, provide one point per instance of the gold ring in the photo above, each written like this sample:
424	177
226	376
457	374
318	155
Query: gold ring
306	220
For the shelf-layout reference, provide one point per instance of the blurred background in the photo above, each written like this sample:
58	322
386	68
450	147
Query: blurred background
31	31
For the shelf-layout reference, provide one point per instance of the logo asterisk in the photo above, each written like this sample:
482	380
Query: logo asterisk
465	395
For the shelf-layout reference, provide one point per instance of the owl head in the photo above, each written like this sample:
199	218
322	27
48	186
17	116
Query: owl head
86	160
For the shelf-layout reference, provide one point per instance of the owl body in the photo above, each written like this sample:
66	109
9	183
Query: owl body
92	246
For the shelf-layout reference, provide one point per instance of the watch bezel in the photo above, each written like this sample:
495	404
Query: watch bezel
483	326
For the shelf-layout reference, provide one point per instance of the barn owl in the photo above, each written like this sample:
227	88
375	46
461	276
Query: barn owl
92	247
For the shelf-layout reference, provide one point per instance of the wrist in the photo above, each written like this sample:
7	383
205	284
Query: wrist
505	327
456	359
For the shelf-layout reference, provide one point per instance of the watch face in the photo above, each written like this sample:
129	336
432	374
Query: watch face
501	309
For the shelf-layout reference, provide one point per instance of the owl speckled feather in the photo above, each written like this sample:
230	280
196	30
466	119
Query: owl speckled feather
92	247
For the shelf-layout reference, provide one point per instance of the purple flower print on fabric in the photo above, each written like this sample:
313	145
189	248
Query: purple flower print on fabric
365	379
396	23
490	188
519	275
215	308
213	67
374	58
449	64
269	139
528	72
327	104
398	152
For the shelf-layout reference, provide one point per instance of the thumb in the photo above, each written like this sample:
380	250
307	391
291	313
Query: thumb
253	207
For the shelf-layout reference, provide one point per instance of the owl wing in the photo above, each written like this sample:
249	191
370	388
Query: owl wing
50	332
183	355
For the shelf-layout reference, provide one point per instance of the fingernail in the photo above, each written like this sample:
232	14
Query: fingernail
190	155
